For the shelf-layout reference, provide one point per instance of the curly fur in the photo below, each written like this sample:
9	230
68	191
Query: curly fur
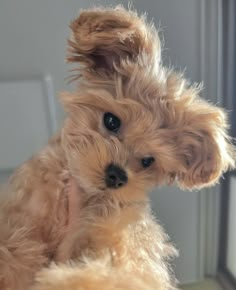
58	207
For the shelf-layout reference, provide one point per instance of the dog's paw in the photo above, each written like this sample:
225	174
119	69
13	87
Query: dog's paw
103	37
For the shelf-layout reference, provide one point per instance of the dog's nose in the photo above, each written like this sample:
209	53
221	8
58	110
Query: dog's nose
115	176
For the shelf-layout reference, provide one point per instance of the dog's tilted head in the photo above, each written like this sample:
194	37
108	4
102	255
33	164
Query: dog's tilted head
135	124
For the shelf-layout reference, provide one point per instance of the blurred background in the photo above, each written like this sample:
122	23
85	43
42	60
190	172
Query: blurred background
199	36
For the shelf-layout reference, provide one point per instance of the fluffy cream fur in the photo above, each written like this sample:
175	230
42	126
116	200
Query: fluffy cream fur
58	207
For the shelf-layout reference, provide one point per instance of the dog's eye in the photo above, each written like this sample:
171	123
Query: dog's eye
147	161
111	122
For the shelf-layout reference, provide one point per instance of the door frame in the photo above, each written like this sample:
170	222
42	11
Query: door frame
229	9
211	73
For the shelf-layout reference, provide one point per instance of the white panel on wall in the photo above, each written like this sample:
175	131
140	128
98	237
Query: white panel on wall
25	123
231	255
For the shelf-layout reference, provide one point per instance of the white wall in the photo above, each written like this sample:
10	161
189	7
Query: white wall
33	38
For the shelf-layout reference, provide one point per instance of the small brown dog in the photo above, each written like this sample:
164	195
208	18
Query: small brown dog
132	125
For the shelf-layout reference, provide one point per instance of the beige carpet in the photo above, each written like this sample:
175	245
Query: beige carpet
208	284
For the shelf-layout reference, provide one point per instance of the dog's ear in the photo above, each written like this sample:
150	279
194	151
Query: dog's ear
203	147
102	38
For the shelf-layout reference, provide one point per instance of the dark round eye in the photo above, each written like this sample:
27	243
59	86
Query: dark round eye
147	161
111	122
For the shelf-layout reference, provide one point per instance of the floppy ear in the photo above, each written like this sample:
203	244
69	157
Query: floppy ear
204	148
104	37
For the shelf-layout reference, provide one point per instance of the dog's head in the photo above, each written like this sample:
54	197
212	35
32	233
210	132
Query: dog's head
147	125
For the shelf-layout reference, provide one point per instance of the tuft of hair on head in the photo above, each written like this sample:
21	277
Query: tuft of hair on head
102	38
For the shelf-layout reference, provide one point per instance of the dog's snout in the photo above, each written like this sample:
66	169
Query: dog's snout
115	176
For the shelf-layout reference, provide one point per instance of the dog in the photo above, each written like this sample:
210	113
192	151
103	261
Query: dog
81	204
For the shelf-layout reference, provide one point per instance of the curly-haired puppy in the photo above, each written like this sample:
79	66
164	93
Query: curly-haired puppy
132	125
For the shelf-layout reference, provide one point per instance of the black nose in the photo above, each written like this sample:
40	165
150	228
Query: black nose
115	176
